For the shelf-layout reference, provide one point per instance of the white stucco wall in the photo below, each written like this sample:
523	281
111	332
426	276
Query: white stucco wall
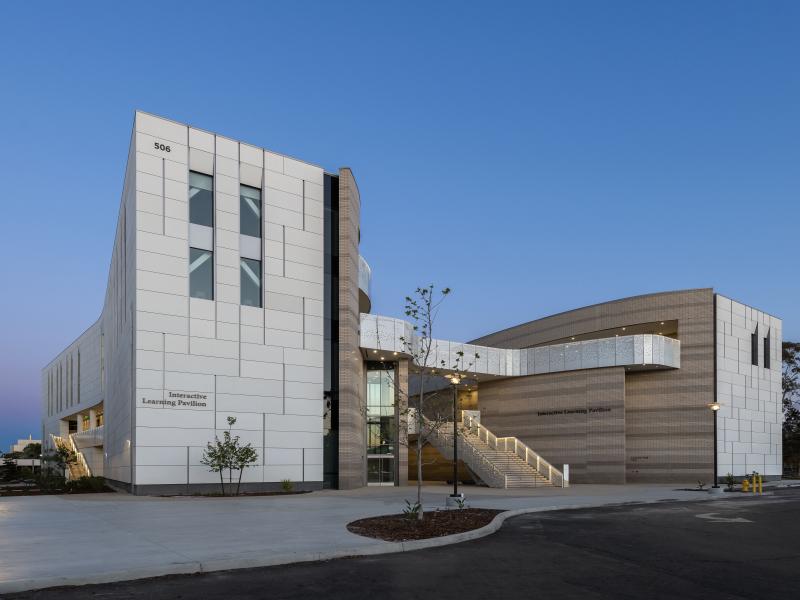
750	417
96	368
263	366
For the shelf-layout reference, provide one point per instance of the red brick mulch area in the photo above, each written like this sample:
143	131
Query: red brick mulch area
400	528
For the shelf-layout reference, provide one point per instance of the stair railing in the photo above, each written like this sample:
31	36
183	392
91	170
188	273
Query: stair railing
84	466
518	447
483	467
79	468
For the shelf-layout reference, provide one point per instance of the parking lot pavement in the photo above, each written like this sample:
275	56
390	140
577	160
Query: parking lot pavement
743	547
47	541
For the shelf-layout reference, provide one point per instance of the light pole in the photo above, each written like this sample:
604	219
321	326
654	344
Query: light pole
714	406
455	379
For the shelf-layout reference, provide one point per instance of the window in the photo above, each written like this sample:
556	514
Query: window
201	274
381	424
754	347
201	199
766	350
249	211
251	282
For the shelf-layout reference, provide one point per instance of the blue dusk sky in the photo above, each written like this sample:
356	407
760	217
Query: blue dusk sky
533	156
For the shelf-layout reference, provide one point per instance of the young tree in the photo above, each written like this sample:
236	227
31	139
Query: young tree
422	309
242	457
33	450
790	375
229	454
216	457
54	466
9	470
60	458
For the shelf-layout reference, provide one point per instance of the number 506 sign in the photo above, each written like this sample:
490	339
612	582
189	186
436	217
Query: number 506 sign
159	146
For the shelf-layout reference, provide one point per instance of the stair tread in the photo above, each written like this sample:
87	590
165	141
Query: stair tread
514	469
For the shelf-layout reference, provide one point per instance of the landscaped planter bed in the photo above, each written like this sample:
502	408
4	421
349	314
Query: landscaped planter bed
240	495
401	528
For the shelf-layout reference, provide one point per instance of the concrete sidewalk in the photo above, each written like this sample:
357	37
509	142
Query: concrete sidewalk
71	540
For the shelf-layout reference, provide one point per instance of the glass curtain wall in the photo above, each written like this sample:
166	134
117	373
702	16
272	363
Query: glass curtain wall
381	425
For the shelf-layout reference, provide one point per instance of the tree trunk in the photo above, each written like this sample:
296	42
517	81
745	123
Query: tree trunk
420	514
239	483
222	482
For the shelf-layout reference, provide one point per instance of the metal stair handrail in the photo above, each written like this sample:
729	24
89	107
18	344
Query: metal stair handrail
484	468
68	444
518	447
79	455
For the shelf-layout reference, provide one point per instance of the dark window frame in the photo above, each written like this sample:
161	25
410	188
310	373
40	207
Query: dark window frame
242	212
250	262
191	199
211	260
754	347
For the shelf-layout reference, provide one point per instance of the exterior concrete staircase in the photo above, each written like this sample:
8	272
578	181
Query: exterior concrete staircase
498	462
78	468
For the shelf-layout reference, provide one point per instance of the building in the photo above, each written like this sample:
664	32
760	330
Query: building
22	444
19	448
236	288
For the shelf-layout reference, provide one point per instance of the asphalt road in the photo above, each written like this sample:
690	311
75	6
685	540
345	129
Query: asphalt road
743	548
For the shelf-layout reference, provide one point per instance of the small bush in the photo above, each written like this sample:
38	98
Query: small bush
730	481
701	484
411	511
287	485
50	481
86	484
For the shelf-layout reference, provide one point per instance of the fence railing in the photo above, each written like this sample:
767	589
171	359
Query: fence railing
80	467
518	447
472	457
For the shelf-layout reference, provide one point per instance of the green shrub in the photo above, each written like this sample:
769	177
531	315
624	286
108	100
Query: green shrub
86	484
730	481
411	511
50	481
287	485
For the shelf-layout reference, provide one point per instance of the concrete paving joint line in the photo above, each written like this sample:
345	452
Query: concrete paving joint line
194	567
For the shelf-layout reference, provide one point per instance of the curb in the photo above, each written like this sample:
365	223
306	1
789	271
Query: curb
227	564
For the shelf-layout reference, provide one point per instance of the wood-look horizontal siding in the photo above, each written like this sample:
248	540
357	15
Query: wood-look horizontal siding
667	429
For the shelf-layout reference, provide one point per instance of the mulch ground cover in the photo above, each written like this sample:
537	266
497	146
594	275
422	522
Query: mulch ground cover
228	495
400	528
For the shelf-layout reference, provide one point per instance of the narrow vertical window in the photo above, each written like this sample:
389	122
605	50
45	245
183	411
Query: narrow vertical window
79	376
754	347
249	211
201	199
766	350
201	274
251	282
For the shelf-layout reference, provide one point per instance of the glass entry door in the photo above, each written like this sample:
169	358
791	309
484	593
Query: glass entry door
381	425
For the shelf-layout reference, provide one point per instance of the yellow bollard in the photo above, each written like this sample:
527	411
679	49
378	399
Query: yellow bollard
745	485
760	484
